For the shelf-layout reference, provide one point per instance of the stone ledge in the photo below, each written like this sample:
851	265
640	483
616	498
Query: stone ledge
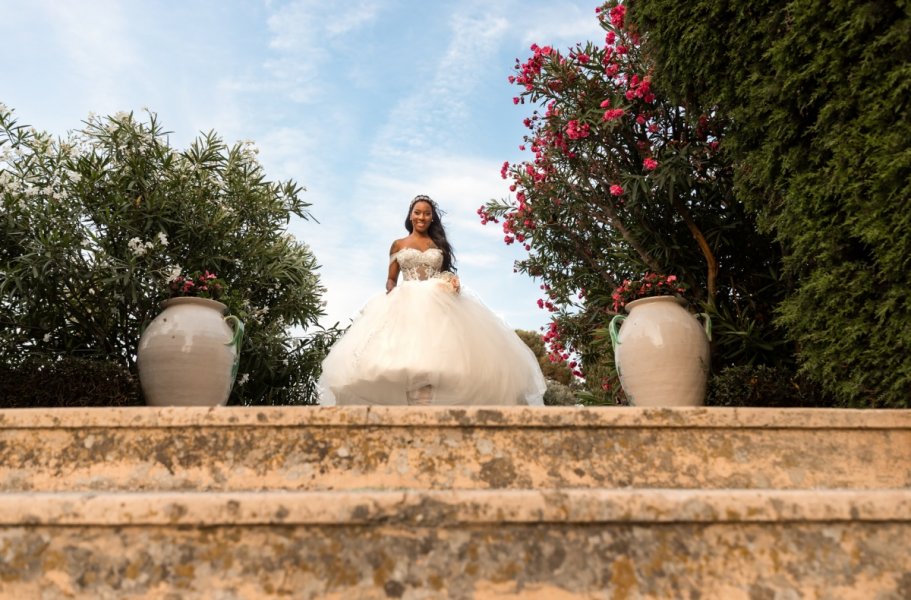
493	416
455	508
729	561
311	448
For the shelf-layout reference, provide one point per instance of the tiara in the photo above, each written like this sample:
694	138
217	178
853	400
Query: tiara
424	198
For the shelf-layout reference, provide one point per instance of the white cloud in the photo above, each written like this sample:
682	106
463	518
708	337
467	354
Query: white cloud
303	33
561	25
94	43
356	15
415	123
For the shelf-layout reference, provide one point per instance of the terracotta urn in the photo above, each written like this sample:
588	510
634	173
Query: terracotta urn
188	354
661	352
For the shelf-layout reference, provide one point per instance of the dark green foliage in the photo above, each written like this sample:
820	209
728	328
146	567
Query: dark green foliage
818	94
69	381
761	385
293	380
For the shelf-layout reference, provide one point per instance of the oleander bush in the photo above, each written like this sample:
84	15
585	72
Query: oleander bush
93	226
621	181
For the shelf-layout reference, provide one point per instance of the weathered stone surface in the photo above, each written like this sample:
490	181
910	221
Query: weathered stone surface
308	448
351	503
453	508
840	560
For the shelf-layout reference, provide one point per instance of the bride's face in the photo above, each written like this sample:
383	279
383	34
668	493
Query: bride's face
421	216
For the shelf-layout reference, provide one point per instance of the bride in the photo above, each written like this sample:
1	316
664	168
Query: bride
425	342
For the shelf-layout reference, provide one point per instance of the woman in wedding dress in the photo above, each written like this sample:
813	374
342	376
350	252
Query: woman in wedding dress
426	342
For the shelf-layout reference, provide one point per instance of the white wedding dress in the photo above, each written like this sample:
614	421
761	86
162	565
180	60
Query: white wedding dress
423	343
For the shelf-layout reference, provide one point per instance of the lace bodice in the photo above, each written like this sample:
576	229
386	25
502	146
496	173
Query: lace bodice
415	264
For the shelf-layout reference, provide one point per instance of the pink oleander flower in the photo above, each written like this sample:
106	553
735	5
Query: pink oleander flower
647	286
613	113
575	131
617	15
650	164
198	284
616	190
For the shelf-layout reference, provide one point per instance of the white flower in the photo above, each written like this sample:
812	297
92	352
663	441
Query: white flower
162	238
74	176
47	337
244	378
174	273
137	246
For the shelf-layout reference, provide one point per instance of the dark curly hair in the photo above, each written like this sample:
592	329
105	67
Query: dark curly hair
436	231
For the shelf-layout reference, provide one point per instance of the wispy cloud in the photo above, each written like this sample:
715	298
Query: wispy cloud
561	24
103	53
302	35
414	124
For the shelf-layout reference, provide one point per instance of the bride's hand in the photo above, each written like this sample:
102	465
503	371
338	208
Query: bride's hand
451	281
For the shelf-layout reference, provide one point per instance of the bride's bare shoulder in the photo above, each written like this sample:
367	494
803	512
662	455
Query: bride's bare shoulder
397	245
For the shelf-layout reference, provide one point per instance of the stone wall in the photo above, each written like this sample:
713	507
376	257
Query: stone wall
438	503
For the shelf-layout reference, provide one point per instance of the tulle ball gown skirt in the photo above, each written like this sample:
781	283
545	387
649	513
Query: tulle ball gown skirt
424	344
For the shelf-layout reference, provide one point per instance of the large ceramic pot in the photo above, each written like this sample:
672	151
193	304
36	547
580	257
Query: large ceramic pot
661	353
188	354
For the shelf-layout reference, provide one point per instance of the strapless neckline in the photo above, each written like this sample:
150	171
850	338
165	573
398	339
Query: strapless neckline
421	251
416	250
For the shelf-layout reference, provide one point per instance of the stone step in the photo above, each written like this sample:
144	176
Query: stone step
312	448
537	544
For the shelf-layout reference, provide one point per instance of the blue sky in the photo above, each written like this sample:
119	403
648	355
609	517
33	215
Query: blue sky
366	103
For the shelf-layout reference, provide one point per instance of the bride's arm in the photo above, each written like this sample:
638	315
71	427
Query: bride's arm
393	276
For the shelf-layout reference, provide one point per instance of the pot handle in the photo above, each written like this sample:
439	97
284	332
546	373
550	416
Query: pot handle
614	331
235	341
708	324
